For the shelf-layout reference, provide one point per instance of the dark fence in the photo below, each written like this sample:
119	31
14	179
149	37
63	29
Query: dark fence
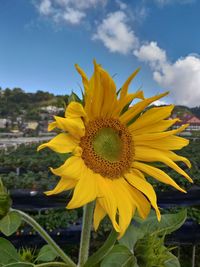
36	201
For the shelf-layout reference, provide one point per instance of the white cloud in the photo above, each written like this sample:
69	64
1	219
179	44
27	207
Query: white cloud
182	77
159	103
71	11
115	33
73	16
121	4
45	7
151	53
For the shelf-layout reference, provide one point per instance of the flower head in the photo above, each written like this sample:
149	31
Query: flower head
113	145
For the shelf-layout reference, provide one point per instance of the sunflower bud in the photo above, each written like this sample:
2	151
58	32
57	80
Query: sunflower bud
5	200
150	251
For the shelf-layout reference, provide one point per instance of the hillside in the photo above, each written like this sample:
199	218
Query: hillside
16	102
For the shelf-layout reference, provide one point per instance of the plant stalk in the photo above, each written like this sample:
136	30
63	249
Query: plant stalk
46	237
86	233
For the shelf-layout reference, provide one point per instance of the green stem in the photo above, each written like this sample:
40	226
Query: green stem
52	264
85	234
46	237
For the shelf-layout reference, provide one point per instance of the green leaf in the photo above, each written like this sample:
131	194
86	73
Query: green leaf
74	97
168	224
46	254
10	223
19	264
131	236
172	261
120	256
103	251
8	253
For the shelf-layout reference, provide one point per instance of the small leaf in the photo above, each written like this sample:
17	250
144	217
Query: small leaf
8	253
120	256
172	261
131	236
46	254
19	264
168	224
103	251
10	223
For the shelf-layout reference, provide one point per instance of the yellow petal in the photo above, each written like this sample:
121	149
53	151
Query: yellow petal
62	143
140	201
110	98
146	189
52	125
125	206
138	173
63	185
107	199
151	116
138	108
157	174
166	143
75	110
125	101
84	79
148	154
125	86
74	126
156	136
72	168
103	93
85	190
155	127
99	214
173	156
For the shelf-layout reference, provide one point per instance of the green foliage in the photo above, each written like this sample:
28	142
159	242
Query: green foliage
5	200
142	245
8	253
55	219
146	239
103	251
10	223
21	103
27	254
118	257
46	254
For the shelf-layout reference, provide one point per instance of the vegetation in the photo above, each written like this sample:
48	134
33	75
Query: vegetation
25	104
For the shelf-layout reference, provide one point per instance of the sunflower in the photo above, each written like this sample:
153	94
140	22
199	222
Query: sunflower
112	146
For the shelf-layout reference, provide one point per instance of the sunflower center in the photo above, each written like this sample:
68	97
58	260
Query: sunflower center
107	144
107	147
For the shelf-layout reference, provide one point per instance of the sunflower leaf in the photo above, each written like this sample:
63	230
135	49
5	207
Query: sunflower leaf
10	223
8	253
103	251
168	224
119	256
46	254
132	235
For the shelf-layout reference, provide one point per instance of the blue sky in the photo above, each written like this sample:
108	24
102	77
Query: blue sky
41	40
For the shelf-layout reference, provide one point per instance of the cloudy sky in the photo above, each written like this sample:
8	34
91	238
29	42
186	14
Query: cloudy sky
41	40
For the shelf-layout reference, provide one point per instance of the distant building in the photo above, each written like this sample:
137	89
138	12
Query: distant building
52	109
193	121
